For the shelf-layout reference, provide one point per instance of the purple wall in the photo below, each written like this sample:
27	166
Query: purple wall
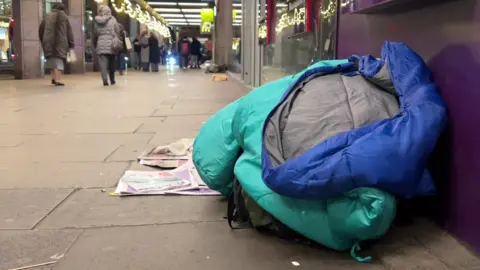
448	37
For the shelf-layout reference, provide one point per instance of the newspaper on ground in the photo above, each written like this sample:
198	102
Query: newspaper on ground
169	156
181	181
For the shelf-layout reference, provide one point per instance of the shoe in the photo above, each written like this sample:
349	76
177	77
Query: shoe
59	84
105	83
112	83
53	81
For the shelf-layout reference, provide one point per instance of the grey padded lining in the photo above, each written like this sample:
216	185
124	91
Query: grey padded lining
322	107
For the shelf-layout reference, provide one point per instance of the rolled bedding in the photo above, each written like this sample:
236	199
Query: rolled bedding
314	149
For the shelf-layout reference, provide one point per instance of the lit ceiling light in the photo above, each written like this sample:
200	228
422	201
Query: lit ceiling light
238	10
167	9
237	24
174	20
282	5
194	4
191	10
237	5
162	3
172	15
192	16
194	20
179	23
237	21
194	23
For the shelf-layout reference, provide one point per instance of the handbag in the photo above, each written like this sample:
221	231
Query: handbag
71	56
117	43
128	43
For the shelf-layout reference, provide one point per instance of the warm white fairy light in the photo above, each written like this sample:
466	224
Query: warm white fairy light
142	16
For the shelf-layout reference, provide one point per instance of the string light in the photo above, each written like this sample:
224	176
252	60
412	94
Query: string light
346	3
287	20
330	11
142	16
262	32
235	43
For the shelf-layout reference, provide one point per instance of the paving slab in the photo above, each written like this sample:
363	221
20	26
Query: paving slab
23	209
22	248
87	125
174	123
18	175
129	152
440	244
210	246
70	147
92	208
164	138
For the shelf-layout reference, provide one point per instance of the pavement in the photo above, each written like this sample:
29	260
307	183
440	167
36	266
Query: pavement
60	147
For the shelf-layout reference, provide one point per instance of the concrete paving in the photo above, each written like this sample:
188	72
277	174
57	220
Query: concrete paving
61	147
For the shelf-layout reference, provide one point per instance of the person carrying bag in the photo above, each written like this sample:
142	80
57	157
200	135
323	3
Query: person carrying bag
107	41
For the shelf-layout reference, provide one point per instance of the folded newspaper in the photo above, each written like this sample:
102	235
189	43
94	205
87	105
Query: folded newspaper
169	156
181	181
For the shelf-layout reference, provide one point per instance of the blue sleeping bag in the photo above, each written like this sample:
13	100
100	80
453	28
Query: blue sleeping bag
389	154
332	192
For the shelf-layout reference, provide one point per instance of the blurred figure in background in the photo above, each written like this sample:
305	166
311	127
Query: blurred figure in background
107	40
137	49
195	51
145	52
184	50
123	53
154	52
56	35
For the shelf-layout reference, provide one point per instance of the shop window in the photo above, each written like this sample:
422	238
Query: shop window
301	33
6	26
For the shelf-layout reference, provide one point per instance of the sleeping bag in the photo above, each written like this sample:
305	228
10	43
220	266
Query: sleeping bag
314	149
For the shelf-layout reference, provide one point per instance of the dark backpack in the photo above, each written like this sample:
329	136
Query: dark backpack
243	212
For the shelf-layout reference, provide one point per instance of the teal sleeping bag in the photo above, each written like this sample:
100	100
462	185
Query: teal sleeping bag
230	144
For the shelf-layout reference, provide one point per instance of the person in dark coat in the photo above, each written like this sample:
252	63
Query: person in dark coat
56	36
154	52
137	49
195	51
184	50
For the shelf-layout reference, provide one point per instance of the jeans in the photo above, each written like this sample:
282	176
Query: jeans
108	65
138	60
195	61
146	67
121	61
184	61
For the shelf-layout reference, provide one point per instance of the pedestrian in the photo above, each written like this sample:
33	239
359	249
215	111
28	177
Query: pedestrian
145	51
154	52
137	49
184	49
56	36
121	61
107	40
195	51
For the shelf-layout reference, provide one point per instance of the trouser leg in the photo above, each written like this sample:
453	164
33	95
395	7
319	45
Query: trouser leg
112	63
103	63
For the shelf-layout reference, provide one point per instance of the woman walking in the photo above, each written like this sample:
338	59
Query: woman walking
107	40
154	52
57	39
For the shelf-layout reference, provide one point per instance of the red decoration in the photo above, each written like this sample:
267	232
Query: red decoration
10	29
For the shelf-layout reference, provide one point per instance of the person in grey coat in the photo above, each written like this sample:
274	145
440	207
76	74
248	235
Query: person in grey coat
106	28
145	52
